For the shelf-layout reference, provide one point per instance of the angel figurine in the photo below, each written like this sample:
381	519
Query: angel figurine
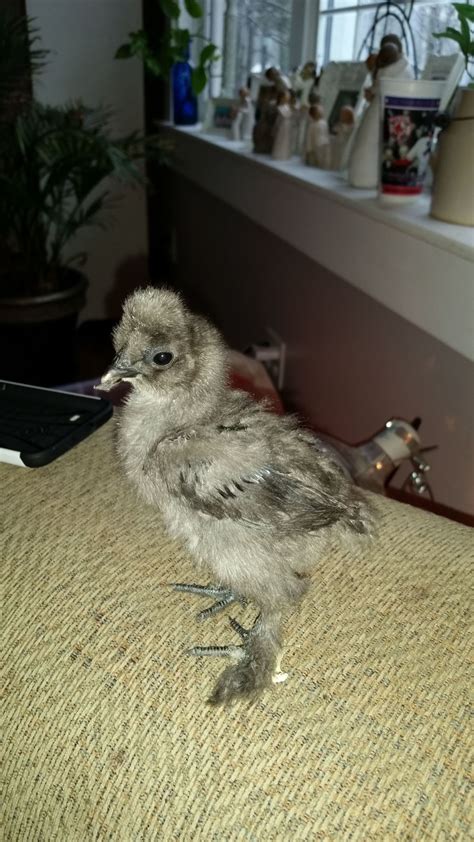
317	146
264	128
304	82
340	139
282	148
242	126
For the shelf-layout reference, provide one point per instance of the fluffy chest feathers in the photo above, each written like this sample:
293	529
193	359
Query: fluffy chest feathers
143	421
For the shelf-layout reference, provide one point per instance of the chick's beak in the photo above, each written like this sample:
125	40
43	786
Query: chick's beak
115	375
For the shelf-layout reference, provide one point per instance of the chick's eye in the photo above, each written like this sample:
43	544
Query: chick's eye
163	358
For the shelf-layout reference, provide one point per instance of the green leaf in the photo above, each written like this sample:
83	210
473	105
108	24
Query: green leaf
450	33
124	51
198	79
180	39
138	43
466	36
193	8
19	57
465	10
153	65
170	8
208	53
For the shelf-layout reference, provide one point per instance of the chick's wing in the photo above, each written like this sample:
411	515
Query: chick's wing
262	474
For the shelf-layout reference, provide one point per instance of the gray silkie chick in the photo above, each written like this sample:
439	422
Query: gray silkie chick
254	497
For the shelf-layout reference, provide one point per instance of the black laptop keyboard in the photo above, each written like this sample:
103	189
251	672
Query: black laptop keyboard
38	419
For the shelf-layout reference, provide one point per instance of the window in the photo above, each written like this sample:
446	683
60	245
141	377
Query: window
346	33
254	34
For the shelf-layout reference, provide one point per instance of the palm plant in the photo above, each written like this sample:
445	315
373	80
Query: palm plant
53	166
19	59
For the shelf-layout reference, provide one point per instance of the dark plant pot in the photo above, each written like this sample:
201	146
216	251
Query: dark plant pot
38	338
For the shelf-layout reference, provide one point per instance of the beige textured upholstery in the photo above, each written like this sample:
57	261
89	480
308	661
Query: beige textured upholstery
107	734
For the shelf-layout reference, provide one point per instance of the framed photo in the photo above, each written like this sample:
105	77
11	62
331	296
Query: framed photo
343	98
341	83
220	114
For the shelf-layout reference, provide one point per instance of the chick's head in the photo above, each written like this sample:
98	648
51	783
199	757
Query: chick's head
162	345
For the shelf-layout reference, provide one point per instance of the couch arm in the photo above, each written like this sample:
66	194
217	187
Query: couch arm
107	732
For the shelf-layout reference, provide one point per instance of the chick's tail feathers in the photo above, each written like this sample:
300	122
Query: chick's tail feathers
360	516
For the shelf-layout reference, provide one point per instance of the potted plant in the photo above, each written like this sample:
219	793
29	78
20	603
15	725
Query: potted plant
53	166
54	162
162	54
453	187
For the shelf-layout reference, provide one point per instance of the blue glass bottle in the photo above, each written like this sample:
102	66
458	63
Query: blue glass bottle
185	112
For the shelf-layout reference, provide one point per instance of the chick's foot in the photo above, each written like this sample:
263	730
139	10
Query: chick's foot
256	666
223	597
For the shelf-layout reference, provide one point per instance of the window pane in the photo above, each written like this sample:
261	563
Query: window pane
348	36
428	19
337	37
263	36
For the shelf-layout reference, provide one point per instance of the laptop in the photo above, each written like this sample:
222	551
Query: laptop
37	424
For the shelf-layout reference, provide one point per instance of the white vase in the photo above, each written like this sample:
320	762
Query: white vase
453	189
363	163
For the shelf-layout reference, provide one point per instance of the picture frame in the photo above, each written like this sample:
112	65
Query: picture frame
341	83
449	69
220	115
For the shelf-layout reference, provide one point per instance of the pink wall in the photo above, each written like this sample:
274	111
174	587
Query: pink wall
352	363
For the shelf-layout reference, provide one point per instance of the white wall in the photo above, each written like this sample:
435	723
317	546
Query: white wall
83	36
352	363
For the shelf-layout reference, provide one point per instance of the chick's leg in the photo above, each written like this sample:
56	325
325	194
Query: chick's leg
223	596
257	660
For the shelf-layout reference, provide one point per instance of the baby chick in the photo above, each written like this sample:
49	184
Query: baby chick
254	497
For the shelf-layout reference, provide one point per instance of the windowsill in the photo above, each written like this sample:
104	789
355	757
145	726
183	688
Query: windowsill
415	265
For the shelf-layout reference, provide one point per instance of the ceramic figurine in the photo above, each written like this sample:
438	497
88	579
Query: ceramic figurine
303	122
276	78
272	84
243	123
317	146
301	125
304	82
283	135
388	63
342	134
263	130
296	116
266	111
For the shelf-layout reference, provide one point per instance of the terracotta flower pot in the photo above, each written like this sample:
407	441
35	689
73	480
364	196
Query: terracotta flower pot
453	188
